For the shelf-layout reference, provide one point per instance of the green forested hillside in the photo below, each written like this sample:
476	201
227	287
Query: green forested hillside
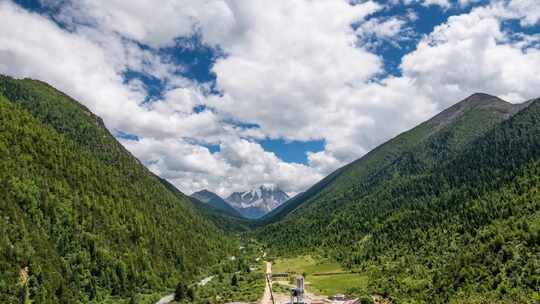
81	219
216	202
410	152
226	222
448	212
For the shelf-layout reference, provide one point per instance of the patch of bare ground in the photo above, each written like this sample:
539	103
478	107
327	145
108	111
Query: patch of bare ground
379	299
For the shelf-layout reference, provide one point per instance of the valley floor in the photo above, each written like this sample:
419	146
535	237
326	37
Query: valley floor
277	290
280	296
323	277
267	296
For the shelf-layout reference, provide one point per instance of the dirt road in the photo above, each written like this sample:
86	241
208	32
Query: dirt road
267	296
166	299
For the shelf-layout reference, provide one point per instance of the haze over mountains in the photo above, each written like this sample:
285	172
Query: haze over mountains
447	212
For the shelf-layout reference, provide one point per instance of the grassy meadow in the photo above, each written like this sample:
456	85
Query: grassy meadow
316	282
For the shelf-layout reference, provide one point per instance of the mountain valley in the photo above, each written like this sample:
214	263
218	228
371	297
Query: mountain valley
447	212
444	213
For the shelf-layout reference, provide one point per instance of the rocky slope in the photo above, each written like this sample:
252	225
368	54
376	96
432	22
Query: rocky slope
259	201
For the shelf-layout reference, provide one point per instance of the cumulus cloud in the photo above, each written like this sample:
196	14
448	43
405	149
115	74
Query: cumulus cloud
146	21
34	46
472	53
285	68
383	28
393	30
527	10
90	70
238	164
442	3
298	70
88	63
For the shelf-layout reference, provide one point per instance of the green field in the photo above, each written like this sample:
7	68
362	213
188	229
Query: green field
321	284
342	283
307	264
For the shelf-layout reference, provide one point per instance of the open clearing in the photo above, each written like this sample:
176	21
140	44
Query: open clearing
321	284
333	284
305	264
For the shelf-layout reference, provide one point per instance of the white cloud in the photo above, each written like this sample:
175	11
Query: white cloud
471	53
465	3
88	65
289	67
527	10
387	28
393	30
239	164
155	24
295	68
34	46
442	3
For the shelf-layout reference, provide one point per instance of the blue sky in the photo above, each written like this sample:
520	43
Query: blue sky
197	59
227	95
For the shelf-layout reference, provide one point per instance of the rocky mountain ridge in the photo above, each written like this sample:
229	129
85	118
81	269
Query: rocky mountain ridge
258	201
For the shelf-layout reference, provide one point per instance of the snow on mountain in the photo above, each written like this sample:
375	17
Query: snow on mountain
259	201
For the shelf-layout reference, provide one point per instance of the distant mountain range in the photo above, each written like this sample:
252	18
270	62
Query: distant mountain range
257	202
215	201
251	204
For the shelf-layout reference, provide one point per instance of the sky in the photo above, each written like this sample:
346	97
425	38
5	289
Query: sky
226	95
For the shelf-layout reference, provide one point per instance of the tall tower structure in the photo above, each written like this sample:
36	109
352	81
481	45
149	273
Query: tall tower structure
297	294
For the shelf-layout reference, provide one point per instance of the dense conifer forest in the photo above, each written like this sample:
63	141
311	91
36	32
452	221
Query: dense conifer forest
82	219
448	212
445	213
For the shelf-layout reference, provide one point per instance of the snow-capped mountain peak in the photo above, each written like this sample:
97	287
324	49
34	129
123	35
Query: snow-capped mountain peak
258	201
